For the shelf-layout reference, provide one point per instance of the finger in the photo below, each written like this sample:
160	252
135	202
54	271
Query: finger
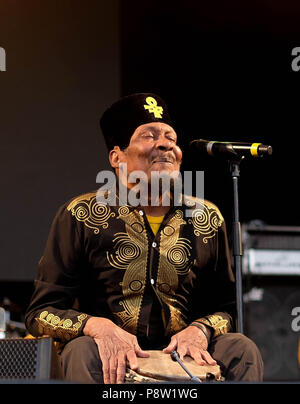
113	365
105	371
132	359
121	370
182	351
196	354
208	358
201	356
140	352
172	346
105	364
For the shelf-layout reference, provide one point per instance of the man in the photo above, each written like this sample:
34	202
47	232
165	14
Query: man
116	279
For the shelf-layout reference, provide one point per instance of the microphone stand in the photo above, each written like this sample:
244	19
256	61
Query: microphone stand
228	152
234	160
237	242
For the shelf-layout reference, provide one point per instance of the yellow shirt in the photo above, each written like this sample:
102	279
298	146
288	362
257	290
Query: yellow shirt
155	222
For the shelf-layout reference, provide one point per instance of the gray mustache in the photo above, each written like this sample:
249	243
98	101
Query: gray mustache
164	157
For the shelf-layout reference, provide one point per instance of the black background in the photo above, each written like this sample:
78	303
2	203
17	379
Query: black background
225	70
62	70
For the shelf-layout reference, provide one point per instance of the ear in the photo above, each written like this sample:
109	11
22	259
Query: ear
115	157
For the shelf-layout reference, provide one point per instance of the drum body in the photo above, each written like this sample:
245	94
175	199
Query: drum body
160	367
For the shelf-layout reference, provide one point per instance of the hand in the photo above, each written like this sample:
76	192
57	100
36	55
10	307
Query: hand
191	341
115	346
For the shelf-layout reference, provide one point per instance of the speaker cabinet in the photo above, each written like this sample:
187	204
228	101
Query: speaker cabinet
271	284
32	359
268	322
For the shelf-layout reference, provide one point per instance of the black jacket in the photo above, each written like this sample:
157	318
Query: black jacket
105	261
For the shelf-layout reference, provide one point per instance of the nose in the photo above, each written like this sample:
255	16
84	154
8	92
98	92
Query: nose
164	144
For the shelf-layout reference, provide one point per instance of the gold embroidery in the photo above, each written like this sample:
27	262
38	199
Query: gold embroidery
153	107
60	328
131	249
86	209
173	261
218	323
126	250
206	220
178	255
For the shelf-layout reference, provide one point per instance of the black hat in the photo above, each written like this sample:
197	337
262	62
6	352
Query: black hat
119	121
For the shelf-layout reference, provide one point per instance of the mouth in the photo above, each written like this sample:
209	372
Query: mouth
164	160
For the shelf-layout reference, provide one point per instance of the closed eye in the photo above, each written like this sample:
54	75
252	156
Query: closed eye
147	135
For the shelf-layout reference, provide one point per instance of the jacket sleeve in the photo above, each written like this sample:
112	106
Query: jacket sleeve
57	285
220	292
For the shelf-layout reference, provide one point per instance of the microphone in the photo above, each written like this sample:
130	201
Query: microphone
231	149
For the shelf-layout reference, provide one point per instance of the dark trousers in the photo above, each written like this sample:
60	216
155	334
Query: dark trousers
237	356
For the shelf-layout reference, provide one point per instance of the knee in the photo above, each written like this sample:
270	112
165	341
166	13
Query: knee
81	361
247	351
240	357
245	345
80	345
81	348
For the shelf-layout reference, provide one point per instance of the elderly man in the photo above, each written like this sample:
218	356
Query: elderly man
116	279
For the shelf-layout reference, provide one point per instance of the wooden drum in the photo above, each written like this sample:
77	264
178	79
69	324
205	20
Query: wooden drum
160	367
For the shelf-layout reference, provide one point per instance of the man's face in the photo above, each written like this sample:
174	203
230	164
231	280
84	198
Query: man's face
152	147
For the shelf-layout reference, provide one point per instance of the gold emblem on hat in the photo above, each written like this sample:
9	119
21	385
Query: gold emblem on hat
153	108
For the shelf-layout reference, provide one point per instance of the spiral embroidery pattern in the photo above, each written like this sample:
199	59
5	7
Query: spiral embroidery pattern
206	221
130	255
179	255
174	260
86	209
126	251
123	211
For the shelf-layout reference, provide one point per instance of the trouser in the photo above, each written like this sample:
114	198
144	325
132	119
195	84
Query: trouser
238	357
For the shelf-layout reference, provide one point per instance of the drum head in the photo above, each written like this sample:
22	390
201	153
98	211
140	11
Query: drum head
160	366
